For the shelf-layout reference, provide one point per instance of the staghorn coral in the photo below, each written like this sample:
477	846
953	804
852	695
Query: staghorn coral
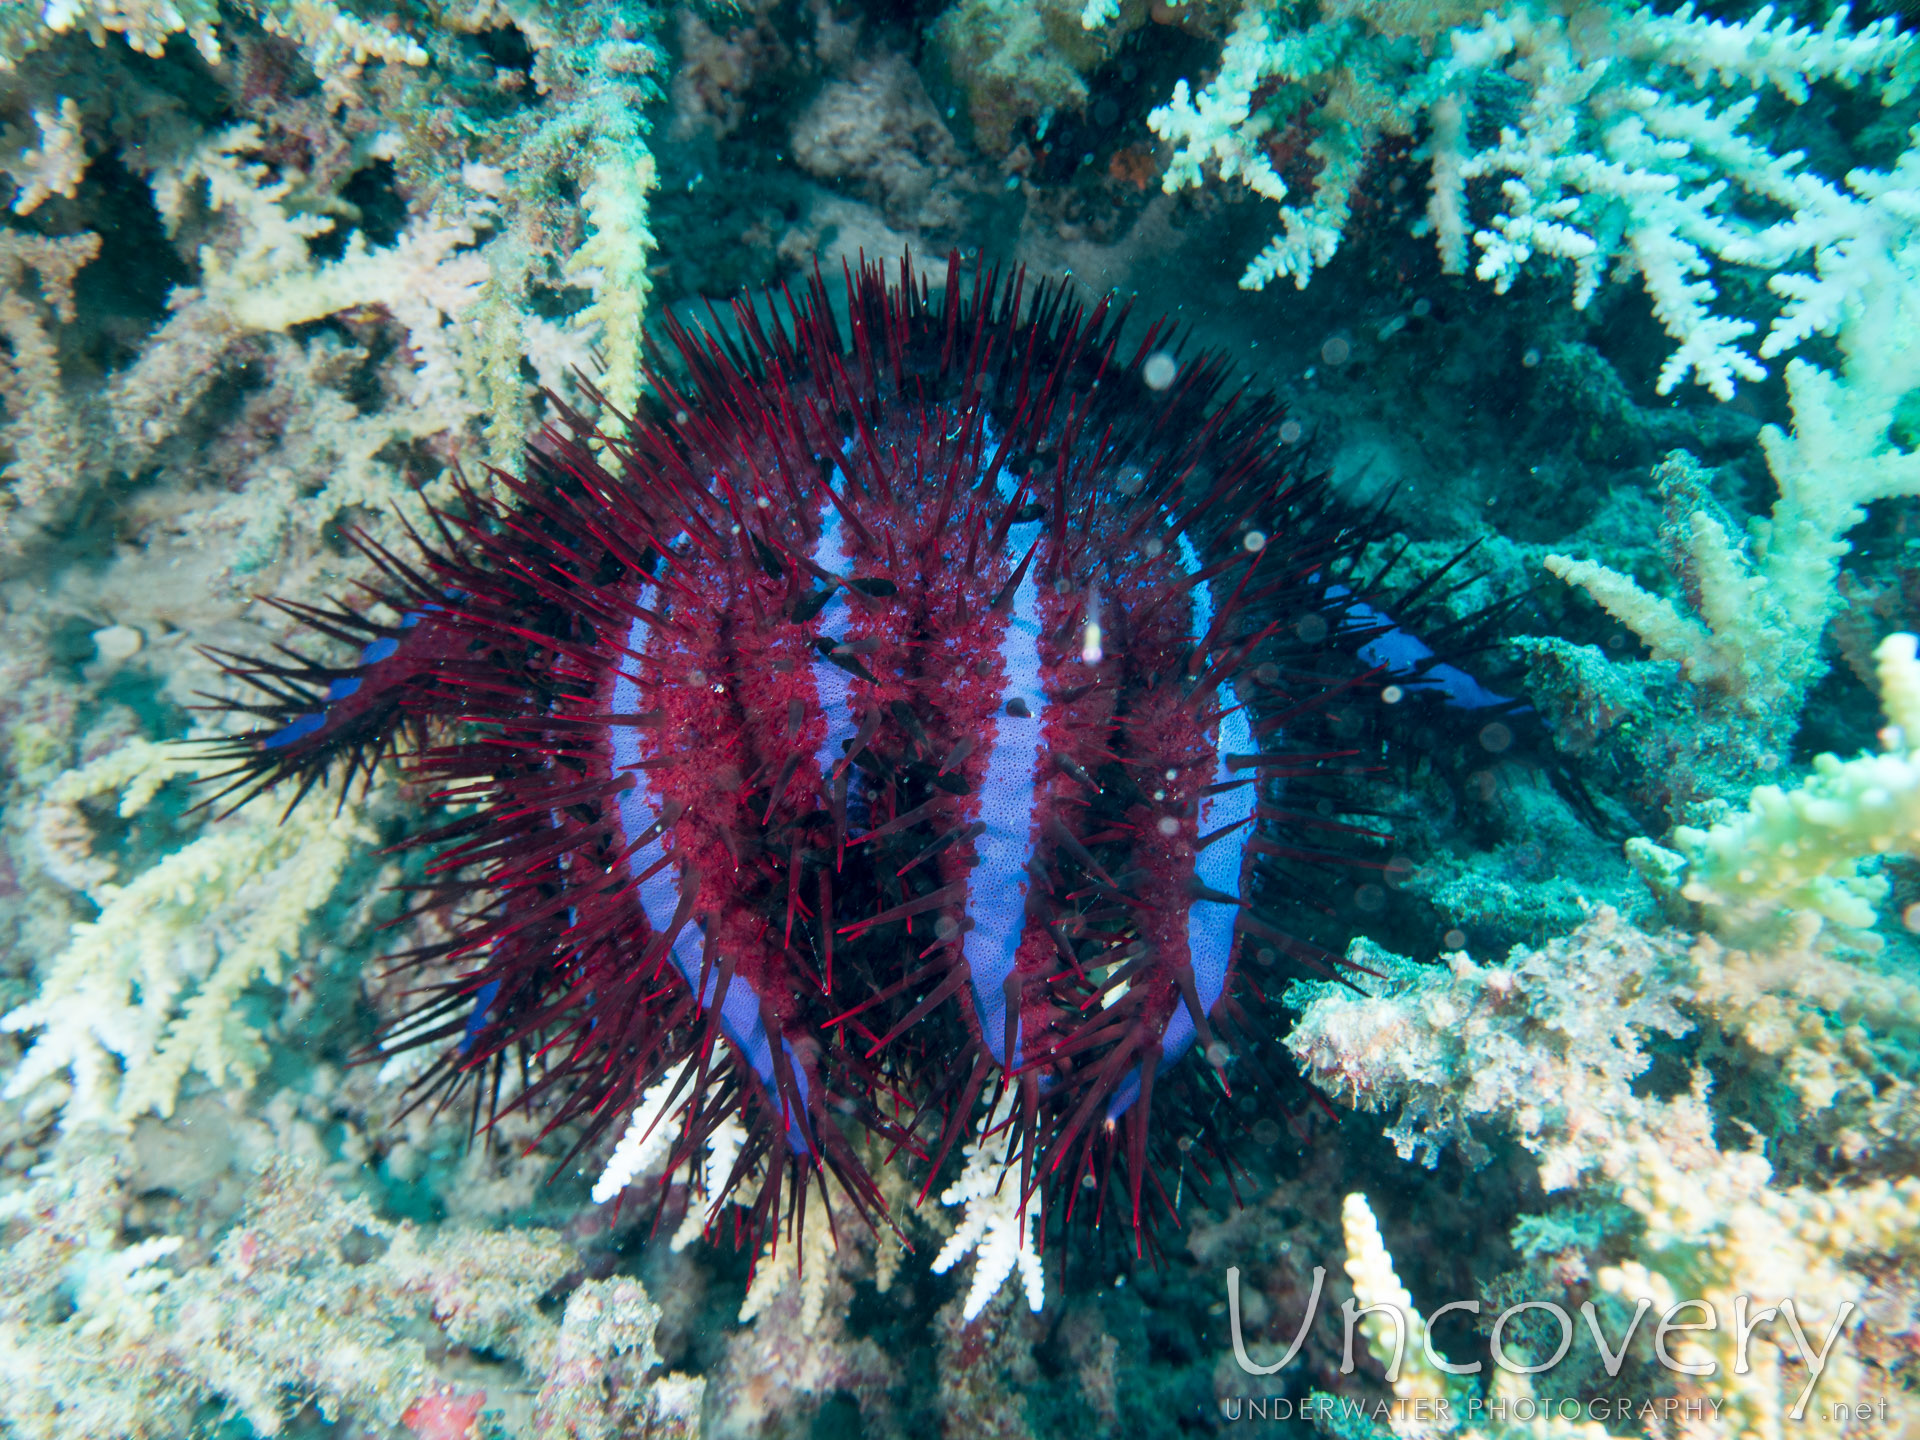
1428	1400
46	449
151	989
1796	857
1749	642
795	1349
55	165
260	207
1601	155
1001	1223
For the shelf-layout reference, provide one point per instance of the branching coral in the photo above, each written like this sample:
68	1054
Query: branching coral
1715	1226
1801	851
1759	608
999	1223
263	278
55	165
151	989
333	38
526	235
1431	1401
40	432
1718	1232
794	1349
1840	1036
1601	159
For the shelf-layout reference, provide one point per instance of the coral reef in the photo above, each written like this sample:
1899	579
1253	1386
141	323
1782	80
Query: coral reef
276	271
308	1299
151	988
1546	1047
472	254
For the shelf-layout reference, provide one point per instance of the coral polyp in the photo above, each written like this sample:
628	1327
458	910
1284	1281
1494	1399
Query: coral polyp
896	714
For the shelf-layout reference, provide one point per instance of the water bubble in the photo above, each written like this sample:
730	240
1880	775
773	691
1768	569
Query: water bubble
1159	370
1311	628
1255	540
1495	737
1266	1132
1337	351
1531	358
1369	897
1392	695
1154	548
1290	432
1167	825
1454	939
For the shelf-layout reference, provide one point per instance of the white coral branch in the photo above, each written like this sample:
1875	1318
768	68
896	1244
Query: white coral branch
997	1229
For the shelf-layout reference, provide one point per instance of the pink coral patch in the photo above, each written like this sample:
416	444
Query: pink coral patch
445	1415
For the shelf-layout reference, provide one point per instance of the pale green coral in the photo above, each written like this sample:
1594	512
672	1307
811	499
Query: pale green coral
150	989
1606	163
495	190
1799	854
